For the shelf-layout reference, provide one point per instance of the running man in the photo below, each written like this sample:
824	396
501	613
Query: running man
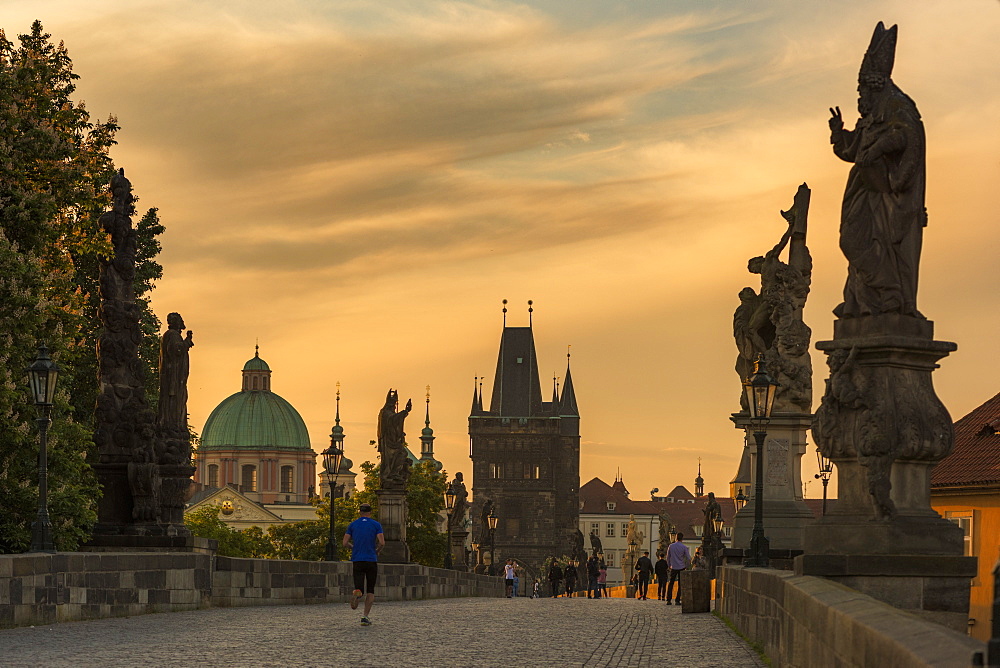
368	541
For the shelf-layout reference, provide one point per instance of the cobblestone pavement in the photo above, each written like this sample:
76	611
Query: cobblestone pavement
445	632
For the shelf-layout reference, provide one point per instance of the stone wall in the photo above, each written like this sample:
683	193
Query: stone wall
803	620
47	588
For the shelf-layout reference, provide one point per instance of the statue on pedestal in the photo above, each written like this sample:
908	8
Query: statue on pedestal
456	520
394	468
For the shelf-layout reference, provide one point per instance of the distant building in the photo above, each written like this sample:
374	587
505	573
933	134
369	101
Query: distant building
525	458
256	444
606	509
965	488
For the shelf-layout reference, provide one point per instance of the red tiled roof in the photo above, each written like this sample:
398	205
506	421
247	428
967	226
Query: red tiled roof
976	458
680	492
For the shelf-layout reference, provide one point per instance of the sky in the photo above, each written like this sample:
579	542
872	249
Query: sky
356	185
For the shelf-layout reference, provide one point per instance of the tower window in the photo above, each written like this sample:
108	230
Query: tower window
496	471
213	475
611	505
287	479
249	478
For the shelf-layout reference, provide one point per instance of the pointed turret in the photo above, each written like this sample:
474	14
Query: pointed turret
567	405
517	391
477	397
427	435
699	482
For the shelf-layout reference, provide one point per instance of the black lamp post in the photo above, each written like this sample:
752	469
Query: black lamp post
449	505
825	472
492	520
42	375
332	457
760	389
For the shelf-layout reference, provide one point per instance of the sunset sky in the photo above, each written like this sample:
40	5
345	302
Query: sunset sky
356	185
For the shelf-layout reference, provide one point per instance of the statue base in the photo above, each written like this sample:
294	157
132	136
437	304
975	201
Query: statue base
458	554
392	515
883	508
785	512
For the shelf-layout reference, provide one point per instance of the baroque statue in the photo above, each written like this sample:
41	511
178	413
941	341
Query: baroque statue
883	214
770	323
174	369
595	543
395	465
712	511
456	521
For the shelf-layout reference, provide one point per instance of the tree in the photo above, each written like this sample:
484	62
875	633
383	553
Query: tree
54	173
205	523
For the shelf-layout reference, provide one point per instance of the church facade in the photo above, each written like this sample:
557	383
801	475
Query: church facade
525	460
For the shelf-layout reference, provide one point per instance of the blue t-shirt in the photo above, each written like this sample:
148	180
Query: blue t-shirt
363	531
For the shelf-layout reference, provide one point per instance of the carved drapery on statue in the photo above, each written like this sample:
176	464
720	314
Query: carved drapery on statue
595	542
712	511
394	467
770	323
144	470
883	215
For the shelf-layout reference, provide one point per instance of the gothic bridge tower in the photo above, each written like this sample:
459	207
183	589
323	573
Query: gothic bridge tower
525	457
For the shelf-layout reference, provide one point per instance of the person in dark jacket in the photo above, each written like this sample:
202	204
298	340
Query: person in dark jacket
571	577
645	568
555	577
662	570
593	573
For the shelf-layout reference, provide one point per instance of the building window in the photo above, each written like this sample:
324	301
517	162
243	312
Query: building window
213	475
964	520
699	529
249	478
496	470
538	472
625	528
256	383
287	479
609	559
727	531
595	528
611	505
610	530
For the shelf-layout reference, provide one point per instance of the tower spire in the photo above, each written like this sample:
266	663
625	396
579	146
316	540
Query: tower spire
505	313
427	436
530	311
567	405
699	482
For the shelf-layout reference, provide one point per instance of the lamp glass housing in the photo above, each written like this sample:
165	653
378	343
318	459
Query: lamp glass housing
492	519
449	498
825	464
332	457
42	376
760	391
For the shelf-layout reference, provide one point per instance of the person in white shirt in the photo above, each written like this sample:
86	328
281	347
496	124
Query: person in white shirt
508	573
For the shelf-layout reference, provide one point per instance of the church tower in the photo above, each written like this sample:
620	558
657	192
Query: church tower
525	458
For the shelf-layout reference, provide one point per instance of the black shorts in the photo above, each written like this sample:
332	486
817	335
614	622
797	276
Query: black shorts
365	571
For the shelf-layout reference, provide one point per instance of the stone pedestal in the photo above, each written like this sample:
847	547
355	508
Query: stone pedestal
884	428
392	514
785	512
458	550
696	591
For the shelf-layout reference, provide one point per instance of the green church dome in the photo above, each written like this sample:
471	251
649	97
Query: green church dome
255	418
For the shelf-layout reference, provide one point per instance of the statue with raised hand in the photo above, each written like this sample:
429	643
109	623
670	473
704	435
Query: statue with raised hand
883	215
394	469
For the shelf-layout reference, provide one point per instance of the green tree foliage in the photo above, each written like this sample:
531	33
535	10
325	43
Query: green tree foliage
248	543
54	172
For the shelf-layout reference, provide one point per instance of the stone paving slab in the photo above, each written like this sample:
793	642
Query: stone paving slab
442	632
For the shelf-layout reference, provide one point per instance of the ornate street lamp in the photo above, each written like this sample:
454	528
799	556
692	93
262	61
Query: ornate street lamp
332	457
740	500
492	520
760	389
825	472
449	505
672	533
42	376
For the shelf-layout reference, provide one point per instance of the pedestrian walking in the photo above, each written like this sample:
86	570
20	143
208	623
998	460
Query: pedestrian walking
645	568
571	577
555	577
678	558
365	538
593	572
662	570
602	580
517	579
536	591
508	574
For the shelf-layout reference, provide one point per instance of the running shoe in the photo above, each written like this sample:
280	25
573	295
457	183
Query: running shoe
355	597
365	621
